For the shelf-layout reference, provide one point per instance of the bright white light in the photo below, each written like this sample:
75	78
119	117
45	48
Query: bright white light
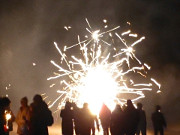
95	35
130	49
105	21
34	64
8	116
99	87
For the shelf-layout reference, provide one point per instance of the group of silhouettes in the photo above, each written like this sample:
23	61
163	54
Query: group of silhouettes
127	120
31	120
34	119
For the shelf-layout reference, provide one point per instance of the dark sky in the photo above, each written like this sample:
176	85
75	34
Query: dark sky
28	29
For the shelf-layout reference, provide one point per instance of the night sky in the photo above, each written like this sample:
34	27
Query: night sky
28	29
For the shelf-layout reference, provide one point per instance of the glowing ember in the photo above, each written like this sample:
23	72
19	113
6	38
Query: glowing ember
101	75
8	116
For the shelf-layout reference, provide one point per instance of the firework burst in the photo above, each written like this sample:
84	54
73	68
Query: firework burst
101	74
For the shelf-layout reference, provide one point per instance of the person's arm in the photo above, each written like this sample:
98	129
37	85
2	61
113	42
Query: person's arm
153	119
12	116
18	121
164	121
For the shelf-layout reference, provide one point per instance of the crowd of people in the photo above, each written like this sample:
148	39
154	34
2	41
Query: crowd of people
126	120
34	119
31	120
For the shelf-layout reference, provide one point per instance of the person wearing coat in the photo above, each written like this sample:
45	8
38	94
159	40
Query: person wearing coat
23	117
6	116
159	122
67	119
40	117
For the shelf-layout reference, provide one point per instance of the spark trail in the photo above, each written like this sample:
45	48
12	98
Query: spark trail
102	73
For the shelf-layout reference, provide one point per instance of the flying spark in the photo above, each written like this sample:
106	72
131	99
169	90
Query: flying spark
34	64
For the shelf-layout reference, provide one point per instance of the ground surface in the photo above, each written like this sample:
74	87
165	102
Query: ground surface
56	130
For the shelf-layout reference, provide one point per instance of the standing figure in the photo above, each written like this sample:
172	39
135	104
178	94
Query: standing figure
131	118
2	118
40	117
23	118
77	119
117	121
105	118
88	121
67	119
159	122
6	116
142	120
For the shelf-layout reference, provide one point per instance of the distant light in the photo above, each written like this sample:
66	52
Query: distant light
129	23
34	64
105	21
67	27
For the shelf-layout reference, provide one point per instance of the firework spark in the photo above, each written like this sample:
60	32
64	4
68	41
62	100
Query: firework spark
102	74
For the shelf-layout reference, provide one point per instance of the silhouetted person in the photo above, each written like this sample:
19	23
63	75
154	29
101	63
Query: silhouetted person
77	118
2	118
131	118
142	120
117	121
158	120
88	121
6	116
40	117
23	118
105	118
67	119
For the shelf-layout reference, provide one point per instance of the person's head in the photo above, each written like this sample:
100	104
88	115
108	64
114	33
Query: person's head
37	99
129	102
118	107
5	102
158	108
139	106
67	105
124	107
85	105
24	101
